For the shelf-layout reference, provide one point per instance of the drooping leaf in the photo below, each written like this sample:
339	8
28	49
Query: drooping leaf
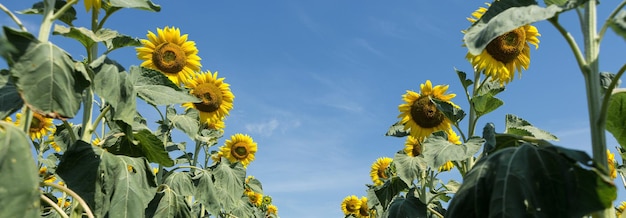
616	117
407	207
45	76
518	126
229	180
463	78
451	112
10	98
152	147
206	192
156	89
81	34
168	204
408	167
618	24
506	15
438	150
180	183
19	186
397	130
120	41
188	122
38	8
531	181
112	185
138	4
113	84
387	192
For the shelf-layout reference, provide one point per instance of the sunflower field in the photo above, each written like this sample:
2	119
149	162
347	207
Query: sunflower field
73	142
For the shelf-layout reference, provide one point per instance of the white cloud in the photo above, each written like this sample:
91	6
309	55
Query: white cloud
264	129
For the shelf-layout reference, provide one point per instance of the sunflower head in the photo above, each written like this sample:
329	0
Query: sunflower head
239	147
446	166
216	98
170	53
378	172
413	146
255	198
351	205
420	114
364	210
620	209
611	162
272	209
39	125
505	54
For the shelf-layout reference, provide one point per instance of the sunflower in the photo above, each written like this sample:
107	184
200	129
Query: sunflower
505	54
170	53
47	177
446	166
379	168
255	198
52	143
267	200
39	125
364	210
351	205
420	114
611	162
413	146
95	4
620	209
272	209
217	99
63	202
239	147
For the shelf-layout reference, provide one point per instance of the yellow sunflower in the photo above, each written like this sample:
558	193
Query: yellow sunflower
255	198
47	177
505	54
446	166
53	144
620	209
267	200
39	125
95	4
64	203
378	170
170	53
413	146
364	211
239	147
611	162
420	115
217	99
351	205
272	209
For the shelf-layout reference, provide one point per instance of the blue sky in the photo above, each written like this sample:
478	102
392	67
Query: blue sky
318	83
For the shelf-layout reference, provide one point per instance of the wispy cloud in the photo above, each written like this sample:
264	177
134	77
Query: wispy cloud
267	128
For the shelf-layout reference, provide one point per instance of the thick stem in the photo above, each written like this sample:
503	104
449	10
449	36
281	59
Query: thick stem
54	206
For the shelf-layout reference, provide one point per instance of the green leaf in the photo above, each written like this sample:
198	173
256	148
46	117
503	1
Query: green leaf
490	88
180	183
17	44
618	24
112	185
121	41
188	122
616	117
138	4
606	78
504	16
111	38
229	180
10	98
407	207
38	8
464	80
518	126
152	147
111	83
438	150
484	104
531	181
81	34
156	89
255	185
168	204
387	192
206	191
19	186
45	76
489	134
243	208
451	112
397	130
408	167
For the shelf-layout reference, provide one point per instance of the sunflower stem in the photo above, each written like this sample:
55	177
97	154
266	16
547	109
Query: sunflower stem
54	206
195	153
75	196
13	17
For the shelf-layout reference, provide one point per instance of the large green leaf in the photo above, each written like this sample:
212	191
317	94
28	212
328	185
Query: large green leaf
111	83
616	117
180	183
618	24
410	206
45	76
168	204
188	122
438	150
38	8
408	167
205	191
530	181
153	148
518	126
506	15
483	104
10	100
397	130
138	4
387	192
229	180
19	186
156	89
112	185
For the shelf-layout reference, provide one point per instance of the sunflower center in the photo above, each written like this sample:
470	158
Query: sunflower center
37	123
425	113
210	95
169	58
239	151
417	150
508	46
381	172
352	207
